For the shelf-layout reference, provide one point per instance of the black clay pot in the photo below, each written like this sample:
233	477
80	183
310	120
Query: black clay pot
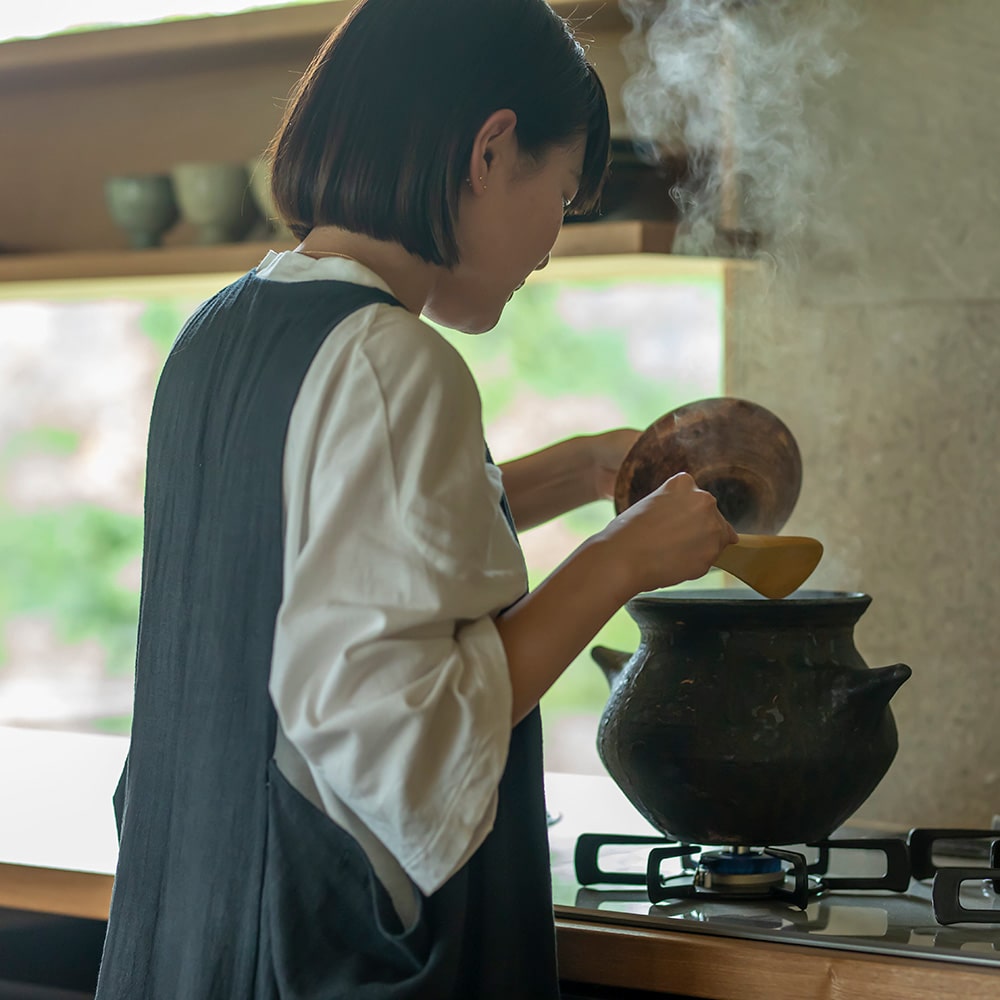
746	721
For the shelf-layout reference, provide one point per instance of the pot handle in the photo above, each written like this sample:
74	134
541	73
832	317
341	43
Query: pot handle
877	686
611	661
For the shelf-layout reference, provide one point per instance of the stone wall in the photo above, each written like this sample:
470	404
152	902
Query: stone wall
880	347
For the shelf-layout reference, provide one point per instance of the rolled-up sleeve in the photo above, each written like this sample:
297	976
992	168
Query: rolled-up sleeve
388	674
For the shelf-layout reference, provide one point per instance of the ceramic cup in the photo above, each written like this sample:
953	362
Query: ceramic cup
144	206
260	188
214	197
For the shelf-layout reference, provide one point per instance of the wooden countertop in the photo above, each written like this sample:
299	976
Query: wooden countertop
58	843
717	968
58	847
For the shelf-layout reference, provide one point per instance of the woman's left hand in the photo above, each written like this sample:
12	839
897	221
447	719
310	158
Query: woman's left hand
565	476
607	451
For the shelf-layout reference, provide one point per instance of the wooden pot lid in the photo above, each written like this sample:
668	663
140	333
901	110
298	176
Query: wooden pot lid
736	450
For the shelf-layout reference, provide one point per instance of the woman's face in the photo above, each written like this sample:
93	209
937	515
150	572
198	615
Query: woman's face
507	223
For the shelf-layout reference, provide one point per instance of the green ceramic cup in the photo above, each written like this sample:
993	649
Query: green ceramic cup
215	198
143	205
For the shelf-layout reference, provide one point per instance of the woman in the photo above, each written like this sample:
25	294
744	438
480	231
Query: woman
334	787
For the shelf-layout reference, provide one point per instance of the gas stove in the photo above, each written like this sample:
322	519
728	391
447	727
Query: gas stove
930	893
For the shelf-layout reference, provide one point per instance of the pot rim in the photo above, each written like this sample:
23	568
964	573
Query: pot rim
735	608
744	598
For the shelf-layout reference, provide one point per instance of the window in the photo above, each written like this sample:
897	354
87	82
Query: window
77	381
77	377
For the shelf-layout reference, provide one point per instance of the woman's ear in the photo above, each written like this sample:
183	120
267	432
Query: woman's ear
495	142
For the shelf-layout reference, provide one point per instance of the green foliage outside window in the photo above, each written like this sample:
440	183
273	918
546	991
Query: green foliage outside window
75	565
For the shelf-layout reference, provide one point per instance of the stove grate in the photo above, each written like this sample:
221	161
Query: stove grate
746	873
948	881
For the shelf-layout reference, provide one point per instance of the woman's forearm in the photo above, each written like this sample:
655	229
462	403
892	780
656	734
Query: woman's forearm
547	629
674	534
548	483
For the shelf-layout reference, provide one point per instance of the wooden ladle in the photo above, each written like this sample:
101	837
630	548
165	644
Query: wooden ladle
773	565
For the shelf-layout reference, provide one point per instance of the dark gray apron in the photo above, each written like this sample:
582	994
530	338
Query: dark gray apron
230	884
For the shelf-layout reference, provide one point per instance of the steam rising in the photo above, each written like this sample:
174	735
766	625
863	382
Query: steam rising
737	88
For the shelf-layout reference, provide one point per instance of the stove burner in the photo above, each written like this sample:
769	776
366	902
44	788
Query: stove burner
738	870
733	873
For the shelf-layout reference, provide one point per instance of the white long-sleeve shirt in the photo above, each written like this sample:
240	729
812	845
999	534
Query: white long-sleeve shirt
388	676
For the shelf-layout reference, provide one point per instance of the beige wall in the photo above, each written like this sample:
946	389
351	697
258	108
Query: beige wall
882	353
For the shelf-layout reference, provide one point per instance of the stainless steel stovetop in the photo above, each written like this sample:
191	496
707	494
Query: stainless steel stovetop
877	922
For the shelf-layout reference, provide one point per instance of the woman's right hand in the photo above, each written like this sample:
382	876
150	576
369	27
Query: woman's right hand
674	534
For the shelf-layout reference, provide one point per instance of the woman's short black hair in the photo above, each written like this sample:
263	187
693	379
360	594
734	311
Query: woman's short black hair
379	131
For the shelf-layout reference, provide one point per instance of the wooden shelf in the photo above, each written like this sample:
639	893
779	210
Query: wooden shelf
589	239
85	265
82	107
194	41
23	274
